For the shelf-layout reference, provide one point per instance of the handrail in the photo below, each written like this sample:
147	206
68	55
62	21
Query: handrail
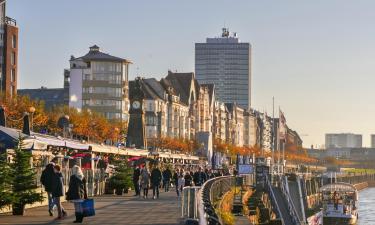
292	209
273	198
206	198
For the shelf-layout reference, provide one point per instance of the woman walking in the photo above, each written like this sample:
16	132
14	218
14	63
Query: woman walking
58	191
145	181
77	192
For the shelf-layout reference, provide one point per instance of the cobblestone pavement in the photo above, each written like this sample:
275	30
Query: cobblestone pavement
112	210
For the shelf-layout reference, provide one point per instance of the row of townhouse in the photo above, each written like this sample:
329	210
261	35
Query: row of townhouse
177	106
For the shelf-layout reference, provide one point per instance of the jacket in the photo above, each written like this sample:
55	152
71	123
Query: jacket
199	178
47	177
136	174
145	179
57	185
155	176
167	175
77	189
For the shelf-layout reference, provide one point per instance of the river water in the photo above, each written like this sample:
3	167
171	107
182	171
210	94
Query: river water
367	207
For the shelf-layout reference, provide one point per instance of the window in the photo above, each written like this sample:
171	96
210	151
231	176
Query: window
13	58
12	75
14	41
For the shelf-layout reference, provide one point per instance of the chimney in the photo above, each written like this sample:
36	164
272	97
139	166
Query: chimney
2	117
26	124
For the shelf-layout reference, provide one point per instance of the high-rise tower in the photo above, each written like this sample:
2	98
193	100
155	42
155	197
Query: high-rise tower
225	62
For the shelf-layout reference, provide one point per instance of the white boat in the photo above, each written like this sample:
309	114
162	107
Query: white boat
340	202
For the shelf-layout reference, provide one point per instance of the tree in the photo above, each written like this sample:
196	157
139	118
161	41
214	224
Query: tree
122	179
5	188
16	106
23	180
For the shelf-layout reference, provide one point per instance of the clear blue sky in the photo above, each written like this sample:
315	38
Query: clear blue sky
316	57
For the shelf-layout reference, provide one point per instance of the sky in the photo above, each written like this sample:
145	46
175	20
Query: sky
315	57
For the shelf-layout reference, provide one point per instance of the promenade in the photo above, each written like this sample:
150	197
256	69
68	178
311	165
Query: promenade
110	209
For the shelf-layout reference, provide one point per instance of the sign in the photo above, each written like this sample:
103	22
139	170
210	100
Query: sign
244	169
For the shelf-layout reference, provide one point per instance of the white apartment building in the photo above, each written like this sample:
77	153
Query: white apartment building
99	82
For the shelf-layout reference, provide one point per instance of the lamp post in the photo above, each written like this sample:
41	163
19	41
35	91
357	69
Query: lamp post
32	111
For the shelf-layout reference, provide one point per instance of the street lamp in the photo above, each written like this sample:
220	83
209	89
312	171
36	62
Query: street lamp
32	111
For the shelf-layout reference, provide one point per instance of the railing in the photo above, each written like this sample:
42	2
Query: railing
291	208
208	196
95	179
274	203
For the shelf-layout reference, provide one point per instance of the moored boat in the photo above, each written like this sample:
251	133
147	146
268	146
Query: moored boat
340	201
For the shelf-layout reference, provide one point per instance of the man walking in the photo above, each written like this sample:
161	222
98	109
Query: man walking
155	181
47	180
199	177
136	174
167	175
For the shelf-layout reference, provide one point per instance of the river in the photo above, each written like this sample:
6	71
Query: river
366	207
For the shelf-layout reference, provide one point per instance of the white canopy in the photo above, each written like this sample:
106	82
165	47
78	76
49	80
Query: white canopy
338	187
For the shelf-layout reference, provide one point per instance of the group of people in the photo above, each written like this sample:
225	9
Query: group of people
53	182
143	180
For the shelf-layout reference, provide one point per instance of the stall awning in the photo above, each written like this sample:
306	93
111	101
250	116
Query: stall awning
9	139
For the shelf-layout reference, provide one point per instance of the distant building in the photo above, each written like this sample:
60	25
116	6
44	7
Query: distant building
99	82
8	52
343	140
50	96
372	140
225	62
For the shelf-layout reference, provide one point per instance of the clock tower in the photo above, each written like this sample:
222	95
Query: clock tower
136	128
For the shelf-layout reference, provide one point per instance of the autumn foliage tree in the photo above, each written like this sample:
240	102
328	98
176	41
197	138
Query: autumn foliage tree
86	125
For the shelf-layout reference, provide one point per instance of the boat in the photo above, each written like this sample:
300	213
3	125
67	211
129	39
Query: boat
340	202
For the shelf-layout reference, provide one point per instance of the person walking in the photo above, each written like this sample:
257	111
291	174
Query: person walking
181	184
77	192
167	175
47	180
199	177
155	181
175	179
145	181
136	174
188	179
58	191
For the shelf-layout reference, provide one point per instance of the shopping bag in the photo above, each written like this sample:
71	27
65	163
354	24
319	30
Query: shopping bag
88	208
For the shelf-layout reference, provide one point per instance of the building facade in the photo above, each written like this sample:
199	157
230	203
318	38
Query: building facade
8	52
343	140
99	82
225	62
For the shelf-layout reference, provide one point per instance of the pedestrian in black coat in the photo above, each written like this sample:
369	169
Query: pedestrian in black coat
167	175
136	174
155	181
199	177
47	180
58	191
77	191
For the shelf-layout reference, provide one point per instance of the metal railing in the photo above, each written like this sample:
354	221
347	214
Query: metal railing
273	200
209	195
291	208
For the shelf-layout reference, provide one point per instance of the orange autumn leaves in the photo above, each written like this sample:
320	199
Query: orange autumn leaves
85	124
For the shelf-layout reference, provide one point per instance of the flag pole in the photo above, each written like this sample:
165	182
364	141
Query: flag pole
273	139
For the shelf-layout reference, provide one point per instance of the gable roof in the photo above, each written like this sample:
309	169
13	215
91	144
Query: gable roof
182	83
96	55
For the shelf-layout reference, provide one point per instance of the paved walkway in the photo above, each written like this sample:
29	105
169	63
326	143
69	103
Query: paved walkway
112	210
